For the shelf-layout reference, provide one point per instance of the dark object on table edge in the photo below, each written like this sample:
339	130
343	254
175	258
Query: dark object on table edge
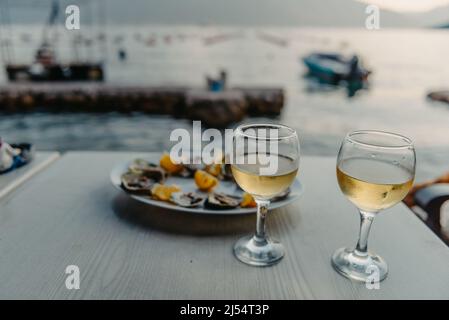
431	199
24	157
430	196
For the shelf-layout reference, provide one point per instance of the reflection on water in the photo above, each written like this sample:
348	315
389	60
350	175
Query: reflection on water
405	64
314	86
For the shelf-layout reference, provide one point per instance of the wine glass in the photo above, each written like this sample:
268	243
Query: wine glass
265	164
375	170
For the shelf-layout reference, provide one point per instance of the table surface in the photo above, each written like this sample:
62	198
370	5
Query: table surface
15	178
70	214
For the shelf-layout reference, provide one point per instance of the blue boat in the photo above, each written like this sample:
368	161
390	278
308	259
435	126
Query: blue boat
333	68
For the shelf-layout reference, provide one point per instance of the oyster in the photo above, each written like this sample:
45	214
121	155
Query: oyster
190	169
191	166
187	199
138	165
137	183
186	173
221	201
155	173
147	169
282	195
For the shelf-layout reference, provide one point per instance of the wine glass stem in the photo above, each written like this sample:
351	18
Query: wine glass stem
366	219
262	210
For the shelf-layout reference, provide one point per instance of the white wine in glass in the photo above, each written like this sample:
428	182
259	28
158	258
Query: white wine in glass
265	164
248	176
373	185
375	171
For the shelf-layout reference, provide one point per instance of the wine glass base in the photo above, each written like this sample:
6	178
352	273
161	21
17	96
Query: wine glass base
360	268
260	253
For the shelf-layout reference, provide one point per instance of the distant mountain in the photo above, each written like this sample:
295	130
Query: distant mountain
347	13
433	18
328	13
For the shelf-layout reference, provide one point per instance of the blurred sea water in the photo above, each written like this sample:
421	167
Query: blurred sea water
406	64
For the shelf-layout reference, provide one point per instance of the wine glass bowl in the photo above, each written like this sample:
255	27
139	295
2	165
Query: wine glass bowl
375	171
264	164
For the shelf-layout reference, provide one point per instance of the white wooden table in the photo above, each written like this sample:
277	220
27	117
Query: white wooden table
11	180
71	215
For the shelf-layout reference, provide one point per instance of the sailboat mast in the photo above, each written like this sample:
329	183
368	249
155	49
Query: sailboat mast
52	18
6	33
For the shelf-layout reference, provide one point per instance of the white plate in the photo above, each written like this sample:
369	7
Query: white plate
188	185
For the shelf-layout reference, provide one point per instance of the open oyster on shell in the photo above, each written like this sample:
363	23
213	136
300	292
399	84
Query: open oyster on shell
147	169
221	201
137	183
187	199
191	165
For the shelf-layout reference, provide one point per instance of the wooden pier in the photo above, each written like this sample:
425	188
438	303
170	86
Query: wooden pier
215	109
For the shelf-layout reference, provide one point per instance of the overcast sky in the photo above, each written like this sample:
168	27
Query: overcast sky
408	5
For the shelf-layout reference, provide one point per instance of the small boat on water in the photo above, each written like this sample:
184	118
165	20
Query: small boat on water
333	68
55	72
46	66
441	96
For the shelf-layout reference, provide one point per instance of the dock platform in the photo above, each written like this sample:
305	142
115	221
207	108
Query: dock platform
216	109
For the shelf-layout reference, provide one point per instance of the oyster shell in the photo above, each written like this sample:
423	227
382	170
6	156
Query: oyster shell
221	201
137	183
138	165
186	172
190	168
187	199
148	169
282	195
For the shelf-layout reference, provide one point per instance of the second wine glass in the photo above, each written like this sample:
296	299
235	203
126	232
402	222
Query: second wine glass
375	170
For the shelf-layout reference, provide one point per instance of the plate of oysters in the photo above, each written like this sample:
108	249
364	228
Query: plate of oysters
195	188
